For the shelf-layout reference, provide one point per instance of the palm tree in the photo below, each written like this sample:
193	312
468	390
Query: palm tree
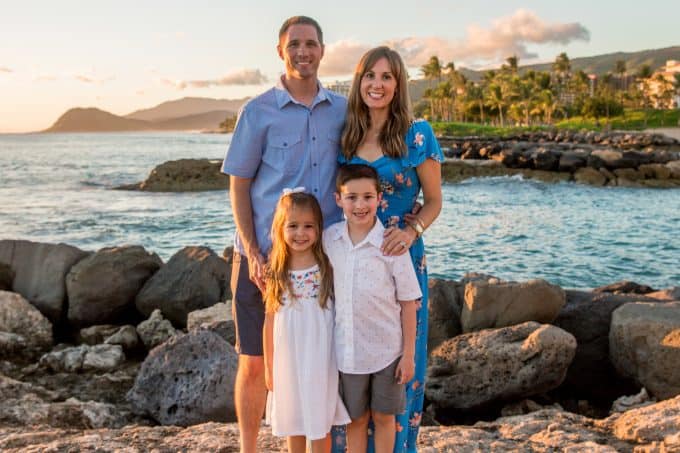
620	69
512	63
474	94
496	100
432	70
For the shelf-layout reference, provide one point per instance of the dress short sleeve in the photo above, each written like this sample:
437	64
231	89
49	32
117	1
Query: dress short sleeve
422	144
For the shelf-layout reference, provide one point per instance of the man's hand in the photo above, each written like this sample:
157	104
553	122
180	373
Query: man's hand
405	369
256	270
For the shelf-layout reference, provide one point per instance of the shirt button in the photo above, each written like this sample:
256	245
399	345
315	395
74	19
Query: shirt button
315	164
316	190
313	138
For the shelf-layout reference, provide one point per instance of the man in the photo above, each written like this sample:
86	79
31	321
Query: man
289	137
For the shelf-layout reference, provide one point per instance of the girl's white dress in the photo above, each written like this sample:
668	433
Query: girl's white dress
305	400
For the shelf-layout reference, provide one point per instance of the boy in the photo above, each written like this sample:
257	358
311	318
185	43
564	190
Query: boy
375	311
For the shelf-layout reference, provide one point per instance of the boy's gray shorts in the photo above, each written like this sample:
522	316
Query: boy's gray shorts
378	391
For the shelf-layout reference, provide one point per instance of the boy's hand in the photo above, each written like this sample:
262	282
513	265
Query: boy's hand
405	369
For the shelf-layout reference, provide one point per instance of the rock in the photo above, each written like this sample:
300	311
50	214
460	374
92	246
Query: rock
628	174
225	329
587	316
19	317
475	369
624	287
187	380
218	312
40	271
666	294
674	169
194	278
525	407
12	344
626	403
545	159
184	175
97	334
589	176
611	159
644	344
103	357
104	285
126	337
6	277
505	304
444	312
570	161
155	330
658	422
655	171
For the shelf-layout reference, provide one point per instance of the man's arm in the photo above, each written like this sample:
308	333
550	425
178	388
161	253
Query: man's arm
242	208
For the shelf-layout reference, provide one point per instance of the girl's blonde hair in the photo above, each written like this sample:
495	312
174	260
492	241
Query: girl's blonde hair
277	279
358	119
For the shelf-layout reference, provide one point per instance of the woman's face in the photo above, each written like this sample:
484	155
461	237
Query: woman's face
378	85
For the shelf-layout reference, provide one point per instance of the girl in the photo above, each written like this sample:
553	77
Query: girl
300	368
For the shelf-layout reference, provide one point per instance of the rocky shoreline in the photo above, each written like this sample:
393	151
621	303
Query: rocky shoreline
115	350
597	159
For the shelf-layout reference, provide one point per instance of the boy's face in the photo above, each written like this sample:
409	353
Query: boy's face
359	201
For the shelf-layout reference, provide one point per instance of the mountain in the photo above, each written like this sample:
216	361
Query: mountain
186	106
96	120
199	121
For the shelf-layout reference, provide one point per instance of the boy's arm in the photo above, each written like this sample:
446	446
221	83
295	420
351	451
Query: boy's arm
406	368
268	344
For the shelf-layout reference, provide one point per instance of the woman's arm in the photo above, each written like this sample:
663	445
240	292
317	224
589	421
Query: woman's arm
430	176
268	344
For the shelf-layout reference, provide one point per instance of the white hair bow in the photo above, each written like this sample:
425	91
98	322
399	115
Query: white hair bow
288	190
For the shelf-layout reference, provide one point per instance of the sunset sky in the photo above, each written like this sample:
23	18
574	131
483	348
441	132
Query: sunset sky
124	55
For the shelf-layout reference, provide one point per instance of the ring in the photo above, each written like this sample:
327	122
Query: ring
402	243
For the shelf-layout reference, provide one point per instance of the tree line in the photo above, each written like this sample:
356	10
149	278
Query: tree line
530	97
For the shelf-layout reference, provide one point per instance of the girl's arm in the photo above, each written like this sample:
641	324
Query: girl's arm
268	344
430	176
406	368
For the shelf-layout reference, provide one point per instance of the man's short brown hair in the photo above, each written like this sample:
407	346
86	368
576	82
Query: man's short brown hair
304	20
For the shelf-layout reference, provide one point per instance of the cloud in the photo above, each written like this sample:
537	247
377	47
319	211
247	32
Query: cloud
45	78
90	79
506	36
341	57
5	69
240	77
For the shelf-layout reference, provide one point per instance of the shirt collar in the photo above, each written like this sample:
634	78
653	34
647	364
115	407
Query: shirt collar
283	97
374	237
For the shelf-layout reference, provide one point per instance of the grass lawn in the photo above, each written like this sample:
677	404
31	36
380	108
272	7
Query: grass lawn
630	120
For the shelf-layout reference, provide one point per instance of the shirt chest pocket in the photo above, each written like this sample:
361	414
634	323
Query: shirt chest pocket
285	153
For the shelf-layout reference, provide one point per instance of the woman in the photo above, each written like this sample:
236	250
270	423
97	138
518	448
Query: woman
380	131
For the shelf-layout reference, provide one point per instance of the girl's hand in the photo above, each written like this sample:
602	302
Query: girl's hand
405	369
397	241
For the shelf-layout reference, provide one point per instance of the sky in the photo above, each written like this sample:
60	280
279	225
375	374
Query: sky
125	55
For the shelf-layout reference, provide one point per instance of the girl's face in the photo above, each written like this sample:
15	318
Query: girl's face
299	230
378	85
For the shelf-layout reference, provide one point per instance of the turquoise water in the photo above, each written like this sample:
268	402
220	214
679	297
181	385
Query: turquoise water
56	188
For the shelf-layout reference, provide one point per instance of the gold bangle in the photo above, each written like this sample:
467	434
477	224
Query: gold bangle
417	227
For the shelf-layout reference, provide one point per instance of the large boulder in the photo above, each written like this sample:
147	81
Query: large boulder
20	318
103	286
478	368
505	304
587	316
184	175
570	161
443	312
187	380
589	176
40	271
624	287
644	343
194	278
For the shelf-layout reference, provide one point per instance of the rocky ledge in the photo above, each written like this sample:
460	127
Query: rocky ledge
115	350
183	175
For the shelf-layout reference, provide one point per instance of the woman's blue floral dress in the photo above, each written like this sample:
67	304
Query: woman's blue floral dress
401	187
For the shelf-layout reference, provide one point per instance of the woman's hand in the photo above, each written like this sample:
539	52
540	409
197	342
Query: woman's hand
397	241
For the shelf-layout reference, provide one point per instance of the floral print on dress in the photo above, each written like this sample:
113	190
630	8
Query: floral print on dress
306	283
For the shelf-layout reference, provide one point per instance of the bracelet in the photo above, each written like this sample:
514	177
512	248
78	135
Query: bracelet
417	227
421	223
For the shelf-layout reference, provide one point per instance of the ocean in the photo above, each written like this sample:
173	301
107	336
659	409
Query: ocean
58	188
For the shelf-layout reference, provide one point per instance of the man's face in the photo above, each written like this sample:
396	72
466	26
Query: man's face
301	51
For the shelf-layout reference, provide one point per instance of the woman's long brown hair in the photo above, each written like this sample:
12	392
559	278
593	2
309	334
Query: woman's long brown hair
358	119
277	277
